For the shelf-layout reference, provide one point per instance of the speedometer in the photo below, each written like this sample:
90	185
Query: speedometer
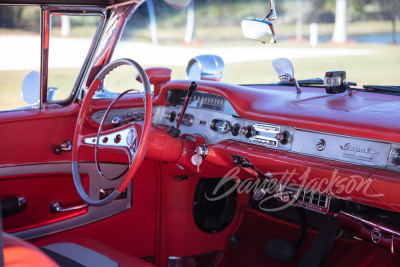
203	100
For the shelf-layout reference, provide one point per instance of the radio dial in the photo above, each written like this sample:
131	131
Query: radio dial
283	137
248	131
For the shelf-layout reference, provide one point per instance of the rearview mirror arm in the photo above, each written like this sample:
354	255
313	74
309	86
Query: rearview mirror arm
272	13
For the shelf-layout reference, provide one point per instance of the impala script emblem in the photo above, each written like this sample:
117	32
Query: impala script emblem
355	150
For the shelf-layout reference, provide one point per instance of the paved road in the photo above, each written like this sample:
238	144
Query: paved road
147	54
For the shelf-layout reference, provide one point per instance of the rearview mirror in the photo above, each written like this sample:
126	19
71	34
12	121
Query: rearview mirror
180	4
260	30
30	88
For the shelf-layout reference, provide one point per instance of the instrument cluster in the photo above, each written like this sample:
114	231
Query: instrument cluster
217	126
214	118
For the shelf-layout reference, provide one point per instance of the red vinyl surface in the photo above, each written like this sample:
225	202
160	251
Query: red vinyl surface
158	77
256	229
179	233
131	232
29	136
40	191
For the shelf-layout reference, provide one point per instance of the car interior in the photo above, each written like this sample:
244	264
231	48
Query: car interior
196	171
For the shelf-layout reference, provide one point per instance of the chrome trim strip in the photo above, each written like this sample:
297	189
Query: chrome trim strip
44	53
370	223
82	11
106	39
341	148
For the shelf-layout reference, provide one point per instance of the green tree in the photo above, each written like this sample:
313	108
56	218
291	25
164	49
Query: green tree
379	9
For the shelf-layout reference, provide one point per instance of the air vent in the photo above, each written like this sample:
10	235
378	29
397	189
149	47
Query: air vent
312	198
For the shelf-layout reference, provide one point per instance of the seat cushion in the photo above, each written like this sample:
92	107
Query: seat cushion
71	254
21	253
85	252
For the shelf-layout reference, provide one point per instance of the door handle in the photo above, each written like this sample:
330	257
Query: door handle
57	207
11	206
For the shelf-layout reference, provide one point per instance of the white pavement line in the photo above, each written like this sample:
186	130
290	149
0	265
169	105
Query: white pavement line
61	56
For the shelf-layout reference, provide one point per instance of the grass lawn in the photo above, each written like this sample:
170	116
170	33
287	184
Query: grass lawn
382	68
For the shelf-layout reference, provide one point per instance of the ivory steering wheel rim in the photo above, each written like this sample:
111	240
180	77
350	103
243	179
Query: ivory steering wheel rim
78	137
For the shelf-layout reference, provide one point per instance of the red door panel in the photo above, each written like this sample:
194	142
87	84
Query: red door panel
40	191
28	136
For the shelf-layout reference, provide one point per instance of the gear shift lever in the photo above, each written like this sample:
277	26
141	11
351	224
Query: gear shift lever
174	131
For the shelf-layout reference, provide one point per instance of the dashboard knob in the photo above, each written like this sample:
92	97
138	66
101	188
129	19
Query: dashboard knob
167	115
235	129
170	116
321	145
220	126
248	131
283	137
395	157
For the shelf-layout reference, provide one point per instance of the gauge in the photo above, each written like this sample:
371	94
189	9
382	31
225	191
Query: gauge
203	100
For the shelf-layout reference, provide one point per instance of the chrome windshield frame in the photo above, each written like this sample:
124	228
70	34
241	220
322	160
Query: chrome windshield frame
46	14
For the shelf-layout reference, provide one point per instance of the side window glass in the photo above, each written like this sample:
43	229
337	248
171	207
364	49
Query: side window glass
19	56
70	40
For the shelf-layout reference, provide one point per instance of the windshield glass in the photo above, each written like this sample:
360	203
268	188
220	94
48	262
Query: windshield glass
317	36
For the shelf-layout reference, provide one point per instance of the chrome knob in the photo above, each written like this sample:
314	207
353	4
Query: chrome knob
247	131
321	145
283	137
221	126
375	235
167	115
243	131
395	157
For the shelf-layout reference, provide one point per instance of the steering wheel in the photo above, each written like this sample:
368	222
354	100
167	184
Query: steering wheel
123	138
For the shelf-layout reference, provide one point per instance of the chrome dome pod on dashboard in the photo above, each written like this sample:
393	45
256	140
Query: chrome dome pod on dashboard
206	67
284	69
180	4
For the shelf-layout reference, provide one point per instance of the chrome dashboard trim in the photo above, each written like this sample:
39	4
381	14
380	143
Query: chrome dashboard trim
359	151
98	115
205	115
342	148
